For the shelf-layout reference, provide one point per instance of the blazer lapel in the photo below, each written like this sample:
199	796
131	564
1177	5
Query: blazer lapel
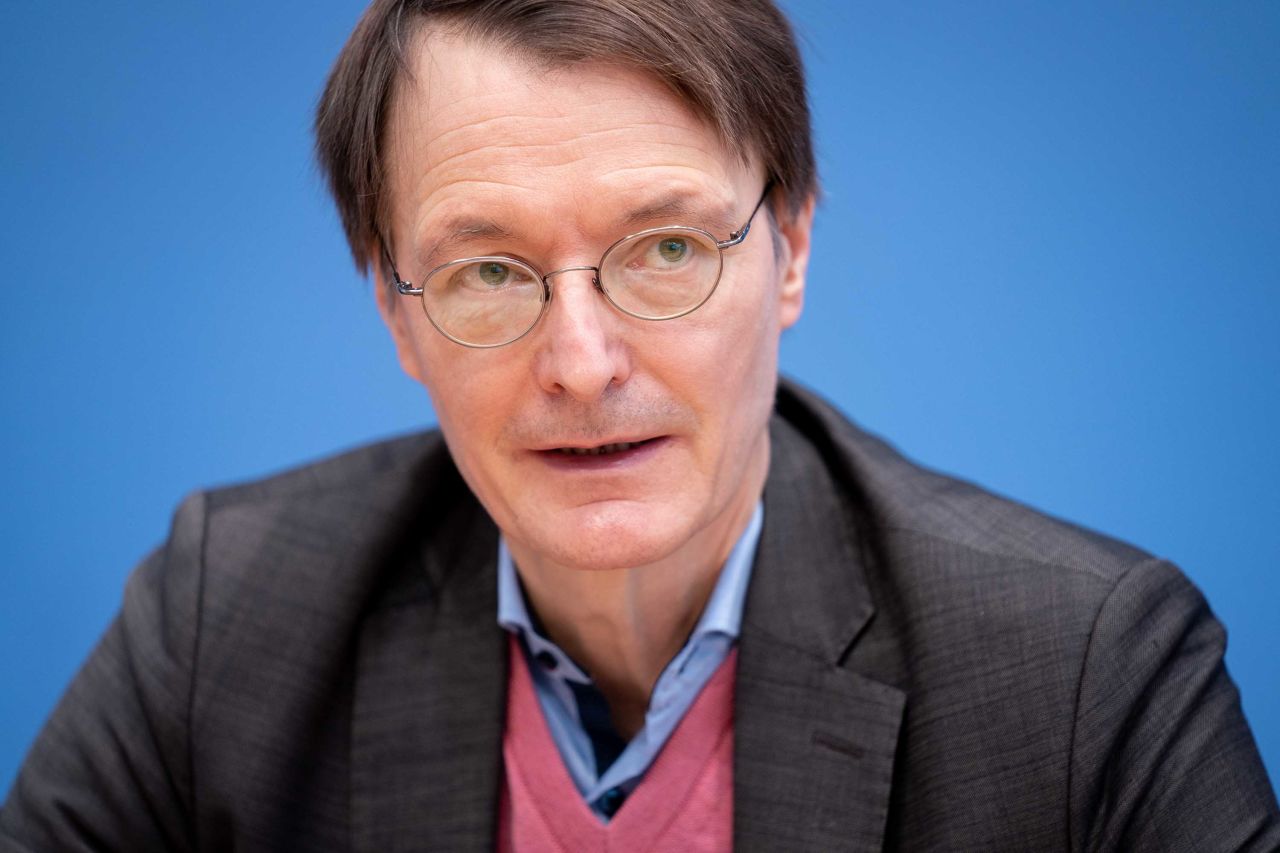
814	742
430	698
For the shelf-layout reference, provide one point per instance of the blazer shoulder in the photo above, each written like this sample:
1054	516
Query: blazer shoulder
297	553
354	470
899	499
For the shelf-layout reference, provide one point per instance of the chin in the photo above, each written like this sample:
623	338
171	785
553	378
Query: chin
614	540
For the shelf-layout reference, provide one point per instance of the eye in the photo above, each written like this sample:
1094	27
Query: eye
494	274
673	249
663	253
486	276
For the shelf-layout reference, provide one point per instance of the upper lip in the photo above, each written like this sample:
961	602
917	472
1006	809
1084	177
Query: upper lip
594	442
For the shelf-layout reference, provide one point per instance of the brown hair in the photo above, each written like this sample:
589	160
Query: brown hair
734	62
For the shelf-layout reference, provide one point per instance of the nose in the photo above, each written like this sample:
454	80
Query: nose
581	351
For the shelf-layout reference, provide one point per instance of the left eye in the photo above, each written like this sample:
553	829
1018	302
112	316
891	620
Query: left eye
494	274
673	249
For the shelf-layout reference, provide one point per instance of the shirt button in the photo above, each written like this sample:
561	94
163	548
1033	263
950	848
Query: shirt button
546	660
611	800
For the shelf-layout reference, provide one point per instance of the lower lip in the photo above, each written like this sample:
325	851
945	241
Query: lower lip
603	461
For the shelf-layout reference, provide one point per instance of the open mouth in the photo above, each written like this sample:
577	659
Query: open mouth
602	450
609	455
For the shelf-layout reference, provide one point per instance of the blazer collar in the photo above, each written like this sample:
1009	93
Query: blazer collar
814	742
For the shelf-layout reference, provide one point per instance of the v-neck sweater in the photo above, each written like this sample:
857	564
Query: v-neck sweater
685	801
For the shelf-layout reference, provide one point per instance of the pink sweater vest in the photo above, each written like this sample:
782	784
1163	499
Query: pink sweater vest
684	802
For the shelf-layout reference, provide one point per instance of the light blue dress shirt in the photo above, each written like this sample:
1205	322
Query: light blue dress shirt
677	687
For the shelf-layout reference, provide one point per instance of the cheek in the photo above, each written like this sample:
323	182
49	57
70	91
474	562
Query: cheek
471	418
726	363
741	338
472	394
471	409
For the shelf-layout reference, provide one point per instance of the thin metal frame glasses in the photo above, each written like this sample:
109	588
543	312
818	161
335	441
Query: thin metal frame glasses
656	274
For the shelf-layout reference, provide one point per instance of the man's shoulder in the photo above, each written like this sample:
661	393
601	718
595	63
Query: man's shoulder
355	473
951	566
921	509
975	595
324	539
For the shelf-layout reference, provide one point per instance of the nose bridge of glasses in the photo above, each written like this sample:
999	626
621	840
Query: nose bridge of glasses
595	274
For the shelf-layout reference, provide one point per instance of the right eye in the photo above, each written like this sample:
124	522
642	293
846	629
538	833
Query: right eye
487	276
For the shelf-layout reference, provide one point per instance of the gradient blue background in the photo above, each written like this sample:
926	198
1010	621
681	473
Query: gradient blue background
1048	260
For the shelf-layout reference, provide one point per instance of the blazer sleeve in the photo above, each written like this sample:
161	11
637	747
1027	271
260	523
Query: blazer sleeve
111	769
1163	759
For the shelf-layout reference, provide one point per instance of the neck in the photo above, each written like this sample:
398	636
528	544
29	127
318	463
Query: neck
625	625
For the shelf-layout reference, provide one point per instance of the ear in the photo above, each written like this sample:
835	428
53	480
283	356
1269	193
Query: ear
794	231
394	315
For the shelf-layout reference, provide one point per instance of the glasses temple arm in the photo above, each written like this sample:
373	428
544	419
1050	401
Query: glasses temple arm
741	234
404	287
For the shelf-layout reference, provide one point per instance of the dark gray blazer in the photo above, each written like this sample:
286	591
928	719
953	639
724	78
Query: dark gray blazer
312	663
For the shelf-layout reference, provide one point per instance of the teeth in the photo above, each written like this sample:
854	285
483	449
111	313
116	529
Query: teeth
598	451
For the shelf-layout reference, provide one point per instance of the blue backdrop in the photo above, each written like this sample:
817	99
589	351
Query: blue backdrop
1048	260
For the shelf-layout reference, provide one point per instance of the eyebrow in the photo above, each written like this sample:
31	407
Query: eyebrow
462	229
678	208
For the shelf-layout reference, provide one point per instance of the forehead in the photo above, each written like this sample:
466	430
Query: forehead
475	124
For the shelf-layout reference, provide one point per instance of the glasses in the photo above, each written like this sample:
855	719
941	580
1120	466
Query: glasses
656	274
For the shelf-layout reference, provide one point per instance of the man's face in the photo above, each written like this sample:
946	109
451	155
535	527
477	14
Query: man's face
489	155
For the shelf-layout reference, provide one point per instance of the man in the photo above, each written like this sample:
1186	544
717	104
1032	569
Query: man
634	594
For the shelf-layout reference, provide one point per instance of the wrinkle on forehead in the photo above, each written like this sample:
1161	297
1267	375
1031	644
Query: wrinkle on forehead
616	186
458	101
